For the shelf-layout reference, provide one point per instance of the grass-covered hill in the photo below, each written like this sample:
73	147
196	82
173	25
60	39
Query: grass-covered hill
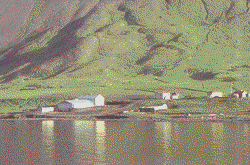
74	46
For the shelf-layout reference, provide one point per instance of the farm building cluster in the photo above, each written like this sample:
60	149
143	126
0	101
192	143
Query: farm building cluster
166	95
91	100
236	94
82	101
161	95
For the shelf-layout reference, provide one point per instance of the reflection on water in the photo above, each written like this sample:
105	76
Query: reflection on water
84	141
164	135
191	143
20	142
100	140
133	143
105	142
218	142
48	141
64	142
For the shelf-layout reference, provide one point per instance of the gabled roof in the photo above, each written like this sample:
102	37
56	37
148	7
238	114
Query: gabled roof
214	92
152	105
88	96
78	101
162	92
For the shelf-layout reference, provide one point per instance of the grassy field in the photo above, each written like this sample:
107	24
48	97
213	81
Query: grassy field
19	95
217	105
197	108
31	93
164	48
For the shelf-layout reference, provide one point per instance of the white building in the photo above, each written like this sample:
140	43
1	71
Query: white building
174	96
153	108
80	103
97	99
214	94
41	109
244	94
68	105
163	96
234	95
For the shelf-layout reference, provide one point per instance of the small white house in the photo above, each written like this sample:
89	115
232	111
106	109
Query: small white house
214	94
153	108
97	99
234	95
244	94
41	109
163	95
174	96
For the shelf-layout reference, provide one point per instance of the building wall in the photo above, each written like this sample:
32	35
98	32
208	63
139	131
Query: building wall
244	94
49	109
236	95
147	109
64	107
214	94
161	107
41	109
99	100
174	97
83	105
164	96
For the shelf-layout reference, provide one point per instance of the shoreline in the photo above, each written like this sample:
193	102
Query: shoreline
136	119
127	109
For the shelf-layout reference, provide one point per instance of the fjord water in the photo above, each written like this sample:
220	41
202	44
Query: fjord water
116	142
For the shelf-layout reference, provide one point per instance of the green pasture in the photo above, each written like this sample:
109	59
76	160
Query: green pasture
204	105
20	95
197	108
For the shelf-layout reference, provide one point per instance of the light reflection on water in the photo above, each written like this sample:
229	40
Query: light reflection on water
100	140
84	141
48	139
107	142
218	142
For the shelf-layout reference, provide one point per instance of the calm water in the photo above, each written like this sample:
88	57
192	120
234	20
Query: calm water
105	142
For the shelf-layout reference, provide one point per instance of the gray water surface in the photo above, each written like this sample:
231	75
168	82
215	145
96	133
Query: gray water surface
114	142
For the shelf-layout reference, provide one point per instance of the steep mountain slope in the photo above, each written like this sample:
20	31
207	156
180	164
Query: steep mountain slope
199	44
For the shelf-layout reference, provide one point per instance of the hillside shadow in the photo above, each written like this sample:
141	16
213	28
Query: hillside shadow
11	54
55	74
203	76
9	77
228	79
58	46
129	17
149	55
150	70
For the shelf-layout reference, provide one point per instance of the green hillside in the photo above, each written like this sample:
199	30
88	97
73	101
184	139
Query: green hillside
130	48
